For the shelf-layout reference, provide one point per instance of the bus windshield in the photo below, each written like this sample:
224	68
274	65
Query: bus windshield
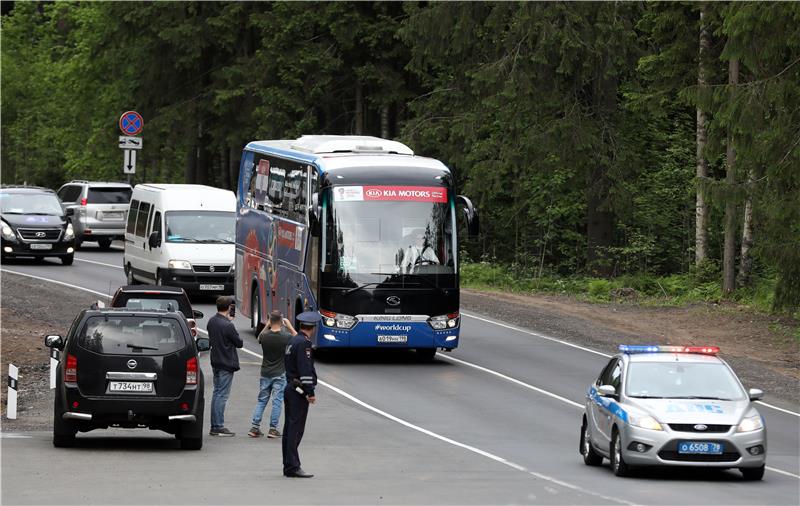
375	234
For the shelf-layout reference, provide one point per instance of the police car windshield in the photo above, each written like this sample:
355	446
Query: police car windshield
682	380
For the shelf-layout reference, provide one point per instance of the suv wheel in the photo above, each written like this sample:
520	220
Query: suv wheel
104	243
63	431
191	434
68	260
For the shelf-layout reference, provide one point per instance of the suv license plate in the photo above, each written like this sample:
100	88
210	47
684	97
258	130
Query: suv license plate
212	287
41	246
392	339
130	386
112	215
699	447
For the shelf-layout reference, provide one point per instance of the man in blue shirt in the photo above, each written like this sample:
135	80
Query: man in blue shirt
224	362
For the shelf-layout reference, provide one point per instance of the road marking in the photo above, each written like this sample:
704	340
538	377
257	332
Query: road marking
420	429
14	435
566	343
512	380
98	263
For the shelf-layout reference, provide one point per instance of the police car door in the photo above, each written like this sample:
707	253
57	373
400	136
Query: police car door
601	415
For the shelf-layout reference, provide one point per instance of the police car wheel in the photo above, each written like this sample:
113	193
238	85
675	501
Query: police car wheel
752	473
618	464
590	457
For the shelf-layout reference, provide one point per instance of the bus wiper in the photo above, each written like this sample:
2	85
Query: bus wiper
137	347
359	287
415	276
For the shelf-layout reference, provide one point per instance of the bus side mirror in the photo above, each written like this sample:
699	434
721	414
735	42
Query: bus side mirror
314	215
471	215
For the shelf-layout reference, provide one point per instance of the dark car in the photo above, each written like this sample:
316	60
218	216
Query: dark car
34	224
157	297
130	369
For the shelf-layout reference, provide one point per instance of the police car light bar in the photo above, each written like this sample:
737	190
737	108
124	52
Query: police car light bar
652	348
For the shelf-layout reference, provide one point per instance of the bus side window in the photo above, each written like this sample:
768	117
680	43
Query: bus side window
294	195
275	190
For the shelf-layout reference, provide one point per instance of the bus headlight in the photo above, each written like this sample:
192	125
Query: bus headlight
444	322
70	233
337	320
179	264
8	232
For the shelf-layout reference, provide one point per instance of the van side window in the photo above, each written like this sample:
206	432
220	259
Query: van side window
144	216
156	227
132	214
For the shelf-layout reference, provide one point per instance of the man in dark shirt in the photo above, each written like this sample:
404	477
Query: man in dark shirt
224	362
301	378
273	341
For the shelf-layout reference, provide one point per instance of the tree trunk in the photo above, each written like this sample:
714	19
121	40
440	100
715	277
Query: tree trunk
701	209
191	164
203	139
359	109
385	121
729	253
745	260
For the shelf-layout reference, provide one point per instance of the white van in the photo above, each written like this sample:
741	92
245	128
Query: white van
181	235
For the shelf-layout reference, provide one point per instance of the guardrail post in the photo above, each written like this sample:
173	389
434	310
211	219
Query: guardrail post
54	356
11	408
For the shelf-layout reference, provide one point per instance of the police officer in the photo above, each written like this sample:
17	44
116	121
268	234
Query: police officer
301	377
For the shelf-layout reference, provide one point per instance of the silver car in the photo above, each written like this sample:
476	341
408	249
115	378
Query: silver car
672	406
99	211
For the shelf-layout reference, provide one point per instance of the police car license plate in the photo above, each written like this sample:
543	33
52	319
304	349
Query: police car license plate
212	287
393	339
41	246
130	386
699	447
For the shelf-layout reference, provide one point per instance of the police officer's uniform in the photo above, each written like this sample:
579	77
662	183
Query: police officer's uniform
300	376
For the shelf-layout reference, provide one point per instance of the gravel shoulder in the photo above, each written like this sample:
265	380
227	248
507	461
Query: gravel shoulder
759	347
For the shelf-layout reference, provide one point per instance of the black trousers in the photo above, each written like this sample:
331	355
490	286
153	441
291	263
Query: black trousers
294	425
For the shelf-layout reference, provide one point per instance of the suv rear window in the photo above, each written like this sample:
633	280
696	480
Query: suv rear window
138	304
109	195
126	335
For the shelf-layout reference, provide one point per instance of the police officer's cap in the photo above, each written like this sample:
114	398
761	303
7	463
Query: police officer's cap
309	318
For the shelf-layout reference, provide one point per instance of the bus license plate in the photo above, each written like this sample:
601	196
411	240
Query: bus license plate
212	287
41	246
130	386
699	448
393	339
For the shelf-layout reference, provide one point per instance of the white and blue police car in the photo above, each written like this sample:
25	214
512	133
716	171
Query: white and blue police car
672	406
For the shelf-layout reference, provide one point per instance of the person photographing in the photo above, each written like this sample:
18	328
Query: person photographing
224	362
301	378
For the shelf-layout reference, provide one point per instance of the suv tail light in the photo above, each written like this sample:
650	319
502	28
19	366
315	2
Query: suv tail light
192	326
191	371
83	201
71	370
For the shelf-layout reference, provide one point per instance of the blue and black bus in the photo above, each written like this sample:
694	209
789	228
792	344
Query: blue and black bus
357	228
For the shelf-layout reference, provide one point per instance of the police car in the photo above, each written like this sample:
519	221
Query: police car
672	406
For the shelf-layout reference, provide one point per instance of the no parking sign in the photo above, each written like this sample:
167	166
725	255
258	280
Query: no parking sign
131	123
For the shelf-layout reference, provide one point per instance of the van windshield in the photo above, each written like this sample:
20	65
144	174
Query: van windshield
200	226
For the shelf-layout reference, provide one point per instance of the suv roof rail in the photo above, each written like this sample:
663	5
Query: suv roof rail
79	181
27	186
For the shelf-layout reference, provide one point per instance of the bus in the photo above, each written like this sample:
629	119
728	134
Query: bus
358	228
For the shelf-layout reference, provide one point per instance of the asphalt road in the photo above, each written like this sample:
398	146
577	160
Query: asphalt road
495	422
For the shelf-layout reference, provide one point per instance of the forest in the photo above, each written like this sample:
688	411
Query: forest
656	143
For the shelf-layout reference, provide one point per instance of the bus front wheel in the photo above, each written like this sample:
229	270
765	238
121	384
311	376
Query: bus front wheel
255	312
426	354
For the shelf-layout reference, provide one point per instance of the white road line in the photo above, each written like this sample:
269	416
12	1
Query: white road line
98	263
566	343
420	429
512	380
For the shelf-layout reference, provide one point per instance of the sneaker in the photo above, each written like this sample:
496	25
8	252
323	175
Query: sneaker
255	432
273	432
222	431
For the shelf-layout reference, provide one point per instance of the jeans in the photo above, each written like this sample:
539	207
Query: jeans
222	389
267	386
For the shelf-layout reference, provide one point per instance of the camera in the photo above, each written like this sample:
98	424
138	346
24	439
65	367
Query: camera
233	310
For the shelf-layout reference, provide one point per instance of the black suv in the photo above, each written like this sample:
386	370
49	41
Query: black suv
34	224
157	297
123	368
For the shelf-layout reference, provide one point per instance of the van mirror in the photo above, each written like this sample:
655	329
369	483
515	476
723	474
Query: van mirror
203	344
54	341
154	241
471	215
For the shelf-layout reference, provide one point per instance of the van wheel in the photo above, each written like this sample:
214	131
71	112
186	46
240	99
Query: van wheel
255	312
104	243
129	275
63	431
160	278
590	457
68	260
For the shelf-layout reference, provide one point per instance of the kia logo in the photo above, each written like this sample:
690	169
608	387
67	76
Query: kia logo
40	234
700	426
132	364
394	300
373	192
